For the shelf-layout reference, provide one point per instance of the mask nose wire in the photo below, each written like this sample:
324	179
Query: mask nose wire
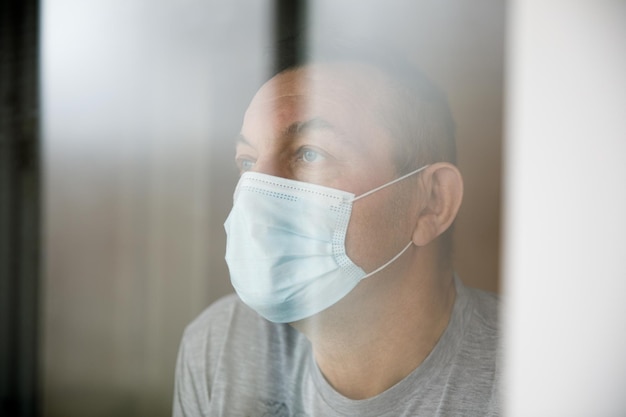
390	183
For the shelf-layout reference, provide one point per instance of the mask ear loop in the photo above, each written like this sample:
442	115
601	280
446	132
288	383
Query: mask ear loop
386	264
390	183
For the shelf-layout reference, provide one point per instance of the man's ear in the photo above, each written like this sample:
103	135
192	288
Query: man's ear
441	193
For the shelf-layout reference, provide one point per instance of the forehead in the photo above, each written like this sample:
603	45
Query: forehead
346	95
326	79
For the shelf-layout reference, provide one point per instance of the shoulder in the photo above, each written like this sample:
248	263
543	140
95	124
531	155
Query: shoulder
204	337
485	306
229	337
217	317
198	351
223	330
231	351
480	325
481	355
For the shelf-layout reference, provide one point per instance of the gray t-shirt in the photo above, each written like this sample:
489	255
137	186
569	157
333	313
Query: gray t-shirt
232	362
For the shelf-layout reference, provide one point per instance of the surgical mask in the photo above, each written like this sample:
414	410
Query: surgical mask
286	246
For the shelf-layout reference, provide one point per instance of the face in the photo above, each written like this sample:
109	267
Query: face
319	124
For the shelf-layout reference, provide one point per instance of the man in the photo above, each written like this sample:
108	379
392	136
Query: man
339	249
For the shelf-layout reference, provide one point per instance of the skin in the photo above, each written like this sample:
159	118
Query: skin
319	124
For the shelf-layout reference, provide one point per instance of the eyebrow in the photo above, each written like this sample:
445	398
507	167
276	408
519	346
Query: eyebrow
241	139
297	128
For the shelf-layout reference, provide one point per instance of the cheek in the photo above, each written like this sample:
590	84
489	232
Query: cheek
378	230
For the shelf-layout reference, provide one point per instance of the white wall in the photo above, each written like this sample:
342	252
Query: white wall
565	209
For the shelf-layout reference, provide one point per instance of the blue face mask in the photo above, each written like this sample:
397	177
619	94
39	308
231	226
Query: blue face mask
286	246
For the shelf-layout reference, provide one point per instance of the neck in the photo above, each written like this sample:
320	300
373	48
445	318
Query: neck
382	331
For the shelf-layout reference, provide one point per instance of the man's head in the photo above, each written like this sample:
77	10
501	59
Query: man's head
354	126
414	111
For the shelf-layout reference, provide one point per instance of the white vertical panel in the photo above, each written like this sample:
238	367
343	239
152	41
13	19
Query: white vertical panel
565	209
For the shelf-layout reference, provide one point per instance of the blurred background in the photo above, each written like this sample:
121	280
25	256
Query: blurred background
140	103
117	174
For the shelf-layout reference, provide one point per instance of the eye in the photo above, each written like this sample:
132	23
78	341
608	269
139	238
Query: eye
309	155
244	164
